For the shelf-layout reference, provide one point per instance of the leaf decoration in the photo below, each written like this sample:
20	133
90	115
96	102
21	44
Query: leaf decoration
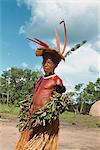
51	111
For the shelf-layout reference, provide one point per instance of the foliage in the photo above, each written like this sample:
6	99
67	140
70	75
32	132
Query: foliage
42	116
11	112
83	97
15	84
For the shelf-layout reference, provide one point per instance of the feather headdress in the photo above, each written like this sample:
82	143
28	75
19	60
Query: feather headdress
58	52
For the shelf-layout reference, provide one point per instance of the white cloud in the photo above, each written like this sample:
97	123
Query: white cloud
96	44
76	68
93	70
37	67
84	56
22	29
24	65
9	68
82	18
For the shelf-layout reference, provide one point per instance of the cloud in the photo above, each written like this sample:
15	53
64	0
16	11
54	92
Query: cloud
37	67
82	18
82	21
24	65
22	30
96	44
9	68
80	67
93	70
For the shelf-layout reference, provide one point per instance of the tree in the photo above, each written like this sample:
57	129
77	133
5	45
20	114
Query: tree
83	97
76	101
16	83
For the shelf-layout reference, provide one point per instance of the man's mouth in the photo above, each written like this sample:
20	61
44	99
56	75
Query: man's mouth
45	68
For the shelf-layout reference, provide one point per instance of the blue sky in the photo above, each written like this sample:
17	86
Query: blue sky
14	47
29	18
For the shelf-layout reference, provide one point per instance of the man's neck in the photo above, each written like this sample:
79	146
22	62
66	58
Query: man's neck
51	73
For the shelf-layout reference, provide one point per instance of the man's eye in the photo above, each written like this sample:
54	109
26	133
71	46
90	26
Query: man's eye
49	62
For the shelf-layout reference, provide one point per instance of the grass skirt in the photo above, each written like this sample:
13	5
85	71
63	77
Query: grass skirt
40	138
40	131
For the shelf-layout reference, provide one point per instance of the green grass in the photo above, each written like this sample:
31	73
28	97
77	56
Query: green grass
80	120
68	117
9	109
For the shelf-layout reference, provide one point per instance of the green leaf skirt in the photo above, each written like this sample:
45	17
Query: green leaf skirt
42	116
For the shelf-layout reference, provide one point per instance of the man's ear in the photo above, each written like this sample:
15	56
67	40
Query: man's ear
56	65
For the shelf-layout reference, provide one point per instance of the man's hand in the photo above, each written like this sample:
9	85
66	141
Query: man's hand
60	88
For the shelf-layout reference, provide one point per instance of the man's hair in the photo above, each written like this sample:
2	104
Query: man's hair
53	56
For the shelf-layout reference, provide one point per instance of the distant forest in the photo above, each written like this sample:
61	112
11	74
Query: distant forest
16	83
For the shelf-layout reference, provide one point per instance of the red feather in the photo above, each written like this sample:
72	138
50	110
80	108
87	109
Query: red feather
41	43
38	42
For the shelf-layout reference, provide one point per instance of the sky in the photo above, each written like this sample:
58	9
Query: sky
20	19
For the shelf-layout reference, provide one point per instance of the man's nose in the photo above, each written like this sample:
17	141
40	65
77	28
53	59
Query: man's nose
45	64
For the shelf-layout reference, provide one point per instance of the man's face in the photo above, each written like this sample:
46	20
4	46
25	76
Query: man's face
48	66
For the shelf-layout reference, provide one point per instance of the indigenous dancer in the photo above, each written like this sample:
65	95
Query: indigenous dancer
45	136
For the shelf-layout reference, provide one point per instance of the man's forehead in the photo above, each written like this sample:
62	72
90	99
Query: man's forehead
48	59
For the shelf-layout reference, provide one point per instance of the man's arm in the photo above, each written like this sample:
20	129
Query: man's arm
60	88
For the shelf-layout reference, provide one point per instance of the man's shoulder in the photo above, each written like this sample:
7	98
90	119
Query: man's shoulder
57	79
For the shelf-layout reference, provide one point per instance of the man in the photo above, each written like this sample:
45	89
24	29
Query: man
44	137
45	85
41	96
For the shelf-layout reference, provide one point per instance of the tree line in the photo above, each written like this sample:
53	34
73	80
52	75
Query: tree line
16	83
83	97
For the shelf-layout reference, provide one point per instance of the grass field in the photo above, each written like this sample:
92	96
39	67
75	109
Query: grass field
80	120
9	109
68	117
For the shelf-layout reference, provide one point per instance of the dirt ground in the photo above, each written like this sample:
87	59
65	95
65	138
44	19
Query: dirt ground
70	137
